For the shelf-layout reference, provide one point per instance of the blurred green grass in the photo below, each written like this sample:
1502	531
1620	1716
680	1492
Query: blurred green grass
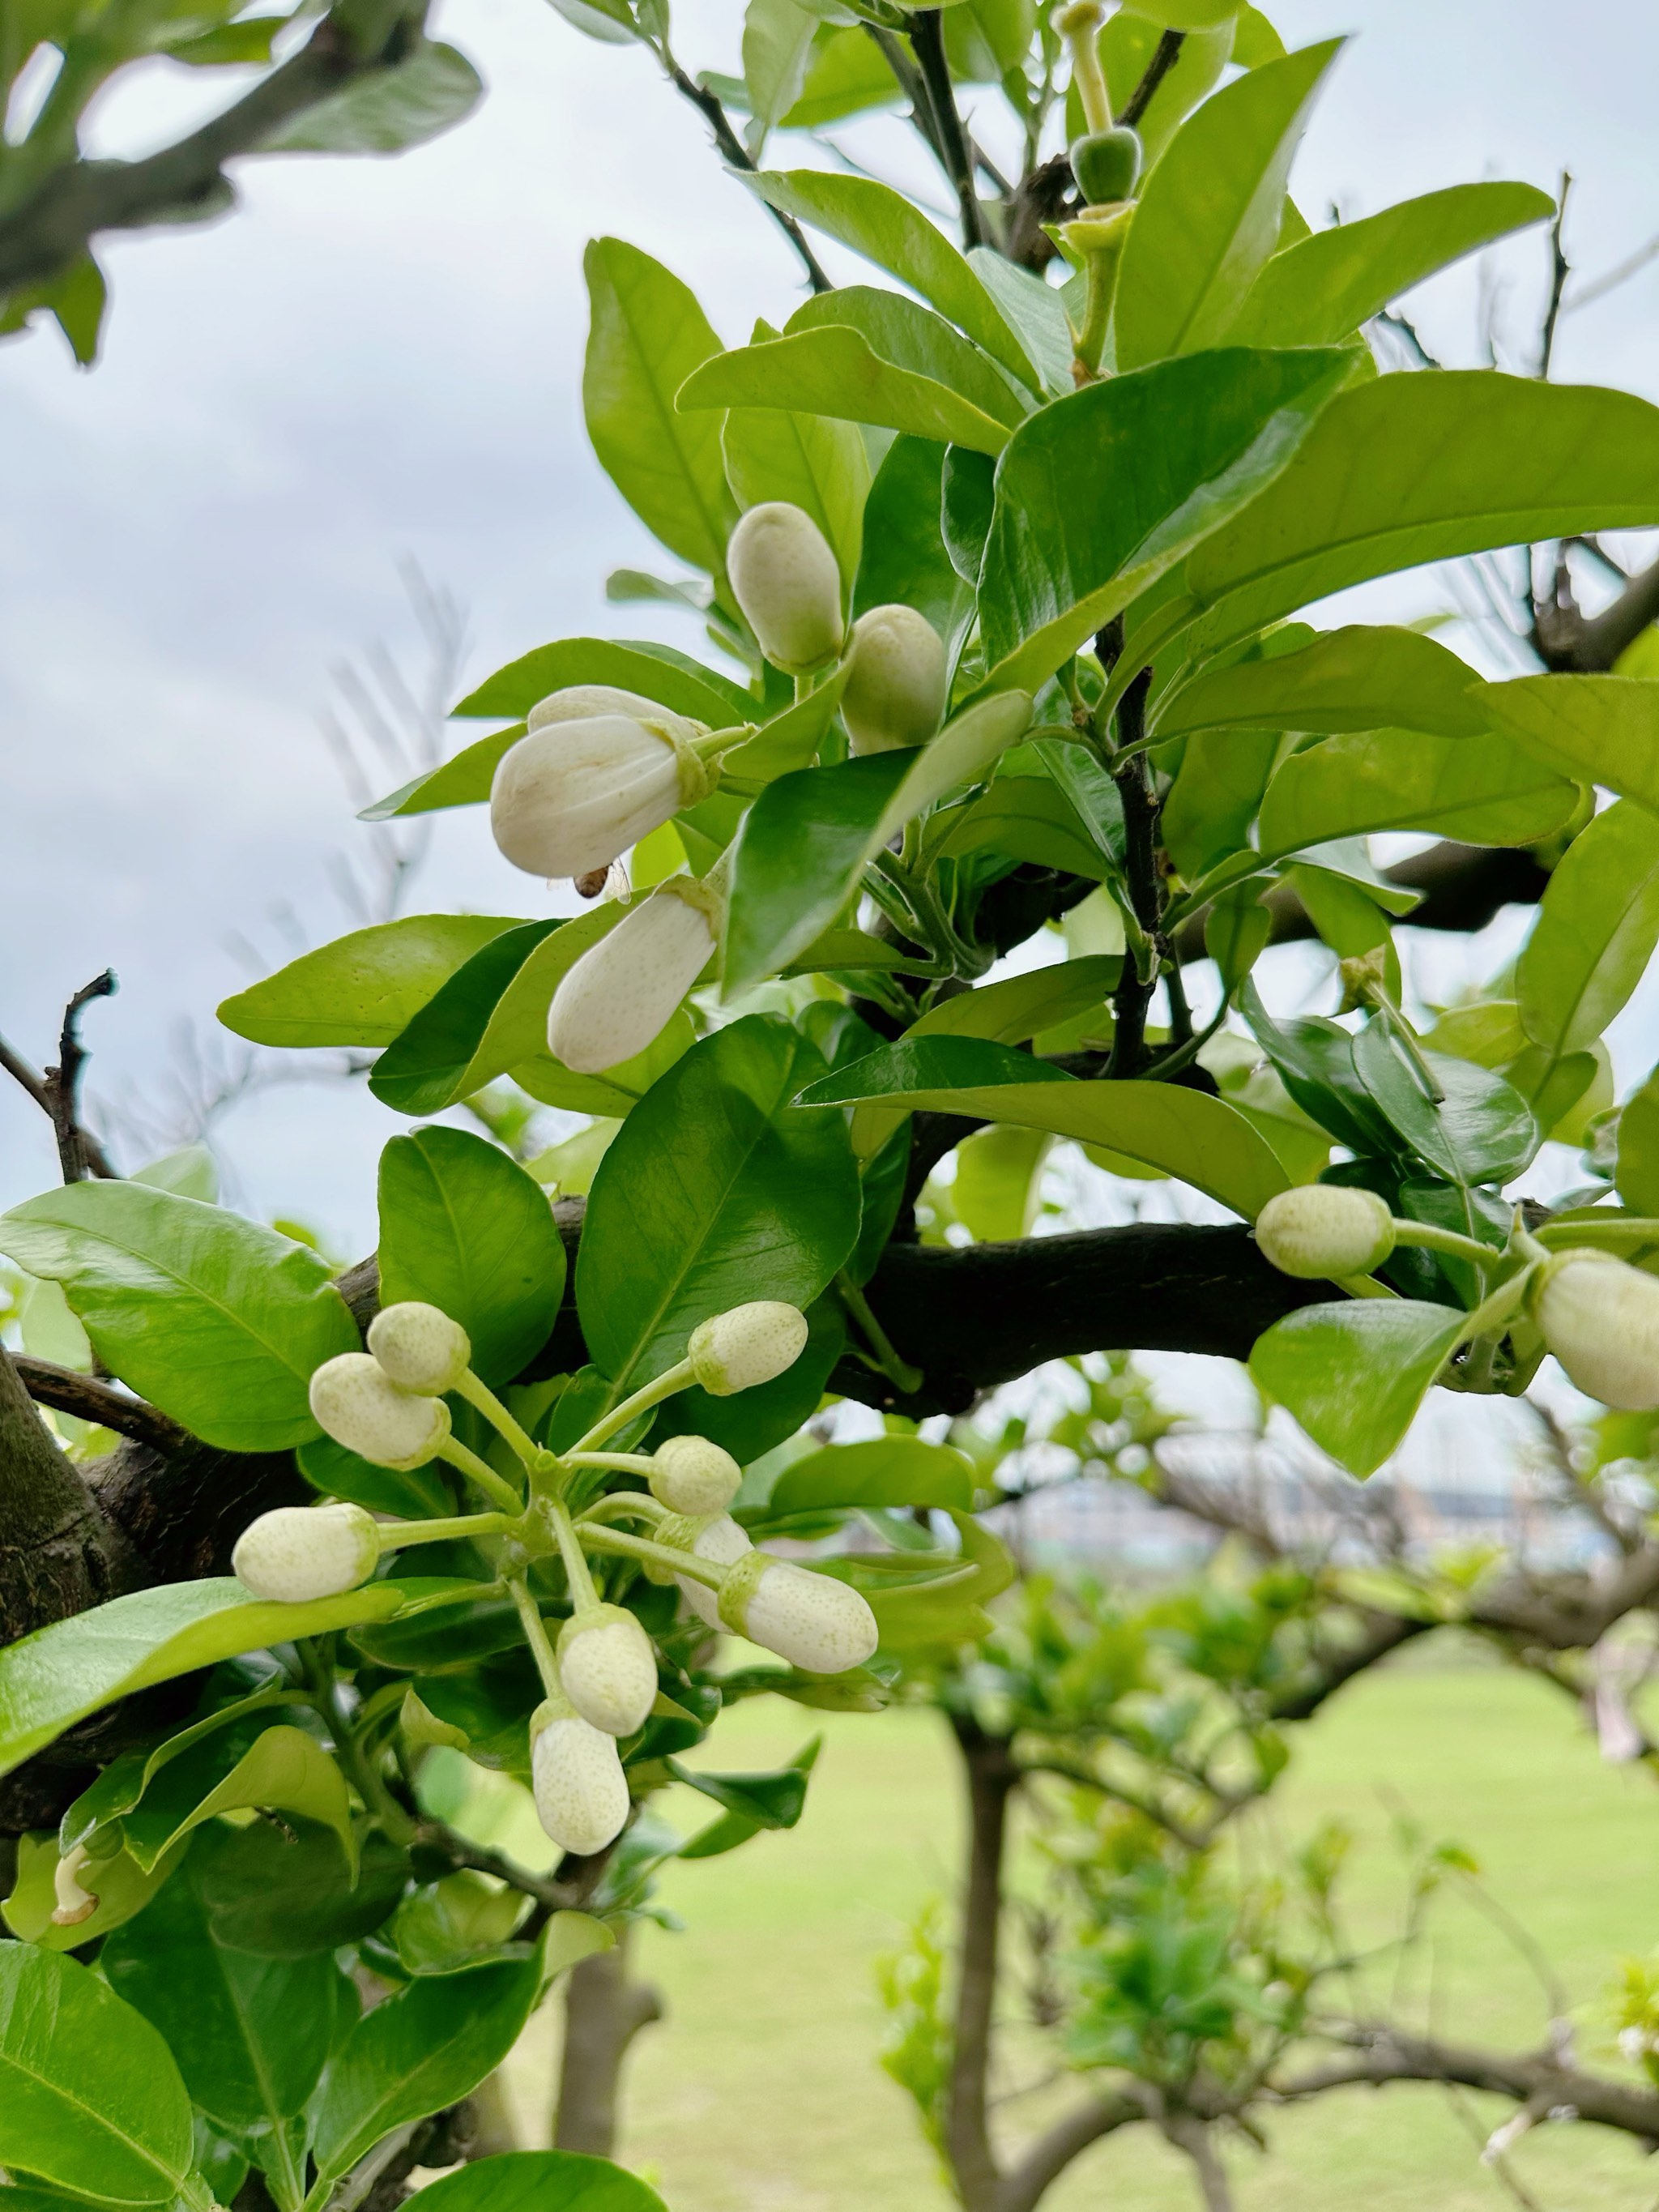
762	2091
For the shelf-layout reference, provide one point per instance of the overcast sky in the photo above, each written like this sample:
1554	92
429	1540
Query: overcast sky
375	361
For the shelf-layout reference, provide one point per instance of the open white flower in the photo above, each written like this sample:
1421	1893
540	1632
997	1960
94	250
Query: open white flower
298	1553
359	1404
571	795
895	694
1600	1316
419	1347
608	1669
749	1344
623	993
576	1775
1321	1231
787	582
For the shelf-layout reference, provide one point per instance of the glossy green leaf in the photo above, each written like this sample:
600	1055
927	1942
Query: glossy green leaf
1100	494
283	1770
542	2181
947	1608
881	224
464	1227
362	988
1639	1148
1209	215
1482	1131
1354	1374
1358	678
405	1493
996	1194
714	1192
1316	292
455	1922
1029	818
910	337
215	1319
251	2036
120	1785
835	371
646	337
905	561
655	671
880	1471
1484	791
287	1893
427	2046
790	740
1598	923
1185	1133
1602	729
1235	934
776	1800
777	44
61	1673
1313	1058
90	2098
1036	312
1408	469
385	110
443	1638
813	461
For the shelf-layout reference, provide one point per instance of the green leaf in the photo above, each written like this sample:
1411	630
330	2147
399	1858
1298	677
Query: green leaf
655	671
947	1608
1029	818
714	1192
464	1229
1639	1148
880	1471
455	1922
248	40
1408	469
1483	791
1162	1125
836	372
1316	292
90	2098
647	336
1358	678
60	1673
998	1192
542	2181
217	1319
790	740
1209	215
283	1770
905	561
1603	729
1313	1058
1598	923
1100	494
406	1493
388	110
363	988
777	44
814	462
1036	312
611	21
1354	1374
881	224
251	2036
427	2046
121	1885
287	1893
776	1800
910	337
1482	1131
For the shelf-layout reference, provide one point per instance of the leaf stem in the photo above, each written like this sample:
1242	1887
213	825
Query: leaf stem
1612	1229
1431	1238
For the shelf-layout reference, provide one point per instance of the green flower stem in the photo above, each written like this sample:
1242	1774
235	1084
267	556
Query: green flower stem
535	1635
1088	76
1097	311
1492	1313
1612	1229
899	1372
651	1394
621	1506
658	1555
624	1462
710	746
583	1596
397	1535
479	1395
1430	1238
324	1698
492	1484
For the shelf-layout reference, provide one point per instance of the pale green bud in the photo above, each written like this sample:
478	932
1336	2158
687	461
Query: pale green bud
297	1552
895	694
1600	1316
571	796
419	1347
1322	1231
721	1543
608	1669
788	584
577	1778
357	1403
620	996
735	1351
691	1475
815	1622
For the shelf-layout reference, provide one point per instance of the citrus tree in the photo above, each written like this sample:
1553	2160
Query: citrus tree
1001	560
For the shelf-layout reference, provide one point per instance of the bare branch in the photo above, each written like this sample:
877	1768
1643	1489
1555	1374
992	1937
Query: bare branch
61	1084
67	1391
736	154
1165	55
927	43
1561	270
18	1068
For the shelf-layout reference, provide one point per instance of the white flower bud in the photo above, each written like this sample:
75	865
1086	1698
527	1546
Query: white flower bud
608	1669
734	1351
788	584
419	1347
570	796
73	1903
580	702
1323	1230
1600	1316
815	1622
721	1543
623	993
895	695
358	1404
691	1475
303	1551
576	1773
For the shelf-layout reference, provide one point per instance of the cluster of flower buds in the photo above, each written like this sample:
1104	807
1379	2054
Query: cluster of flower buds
1323	1231
1600	1316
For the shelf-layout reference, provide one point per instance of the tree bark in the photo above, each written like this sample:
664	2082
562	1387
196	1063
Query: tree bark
59	1552
603	2011
991	1776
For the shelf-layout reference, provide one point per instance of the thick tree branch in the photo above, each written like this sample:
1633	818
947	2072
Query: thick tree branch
61	1084
1041	2163
14	1065
603	2011
59	1552
991	1776
1587	645
68	1391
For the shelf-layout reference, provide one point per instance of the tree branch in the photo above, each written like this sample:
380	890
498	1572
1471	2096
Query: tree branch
13	1064
927	43
736	155
991	1776
68	1391
59	1552
1043	2161
63	1083
1165	55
